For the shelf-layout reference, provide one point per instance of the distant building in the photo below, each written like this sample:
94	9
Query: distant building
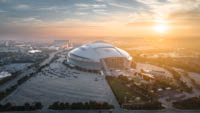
61	43
99	56
34	51
7	43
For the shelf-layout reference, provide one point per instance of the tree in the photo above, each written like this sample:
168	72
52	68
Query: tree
133	65
26	106
38	105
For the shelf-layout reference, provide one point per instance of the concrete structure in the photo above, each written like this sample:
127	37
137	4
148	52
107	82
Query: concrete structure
99	56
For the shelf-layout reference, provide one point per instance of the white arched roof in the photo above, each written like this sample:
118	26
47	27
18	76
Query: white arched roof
98	50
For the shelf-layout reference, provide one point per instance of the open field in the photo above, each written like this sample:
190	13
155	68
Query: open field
121	91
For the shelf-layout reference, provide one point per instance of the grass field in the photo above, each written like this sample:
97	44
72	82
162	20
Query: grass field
126	96
121	91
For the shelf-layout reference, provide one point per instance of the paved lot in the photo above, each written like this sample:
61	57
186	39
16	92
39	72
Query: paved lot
59	83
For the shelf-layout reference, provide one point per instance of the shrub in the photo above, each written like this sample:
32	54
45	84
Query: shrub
80	106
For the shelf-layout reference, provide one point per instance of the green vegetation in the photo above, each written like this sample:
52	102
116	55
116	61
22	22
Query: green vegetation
146	106
133	64
120	91
4	80
188	104
127	94
8	91
26	107
196	84
22	80
176	75
92	105
186	63
157	83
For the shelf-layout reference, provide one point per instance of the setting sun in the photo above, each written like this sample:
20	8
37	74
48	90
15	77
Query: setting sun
161	28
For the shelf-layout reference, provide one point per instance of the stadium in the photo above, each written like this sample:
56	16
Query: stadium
99	57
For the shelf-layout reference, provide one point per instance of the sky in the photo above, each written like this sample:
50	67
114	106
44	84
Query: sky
43	19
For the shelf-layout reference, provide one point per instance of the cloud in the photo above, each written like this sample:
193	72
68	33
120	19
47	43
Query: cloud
165	8
32	20
91	9
141	24
52	8
120	5
100	11
91	6
149	1
22	7
26	22
81	13
99	6
82	5
100	0
5	1
113	15
2	11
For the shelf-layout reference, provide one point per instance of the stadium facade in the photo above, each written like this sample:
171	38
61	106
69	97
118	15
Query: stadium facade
99	56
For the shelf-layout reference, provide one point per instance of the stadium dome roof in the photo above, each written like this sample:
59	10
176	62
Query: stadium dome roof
98	50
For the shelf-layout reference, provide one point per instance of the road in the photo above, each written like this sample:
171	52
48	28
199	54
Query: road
26	72
51	56
14	81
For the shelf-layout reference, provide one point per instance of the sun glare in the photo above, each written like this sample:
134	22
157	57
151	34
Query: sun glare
161	28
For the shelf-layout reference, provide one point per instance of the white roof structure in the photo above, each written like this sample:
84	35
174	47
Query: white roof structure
98	50
4	74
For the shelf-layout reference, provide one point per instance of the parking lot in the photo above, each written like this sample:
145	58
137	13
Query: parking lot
59	83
